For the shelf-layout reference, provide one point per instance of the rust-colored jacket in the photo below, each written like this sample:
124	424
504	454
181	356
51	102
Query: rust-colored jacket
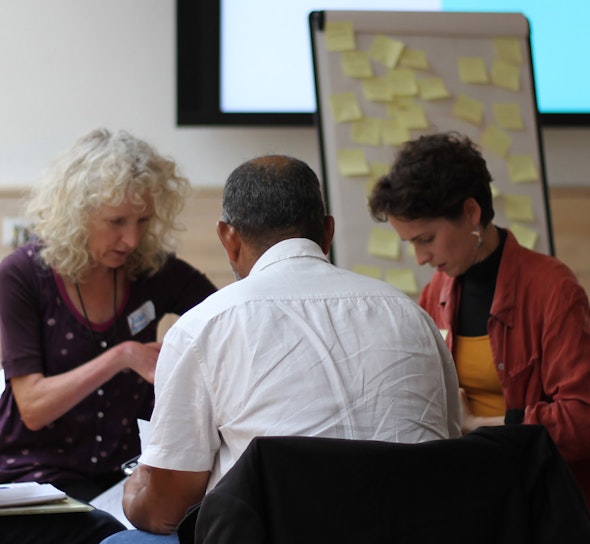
539	331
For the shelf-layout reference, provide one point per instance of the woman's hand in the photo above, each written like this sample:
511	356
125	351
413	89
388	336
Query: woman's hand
140	358
469	421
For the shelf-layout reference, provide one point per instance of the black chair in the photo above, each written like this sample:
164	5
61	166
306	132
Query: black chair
505	484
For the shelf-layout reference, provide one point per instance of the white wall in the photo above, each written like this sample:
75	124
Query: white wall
67	66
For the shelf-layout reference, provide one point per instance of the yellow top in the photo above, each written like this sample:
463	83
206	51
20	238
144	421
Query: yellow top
478	375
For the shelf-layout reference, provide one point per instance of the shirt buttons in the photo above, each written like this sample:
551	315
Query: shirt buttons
98	438
500	366
100	415
103	344
100	392
93	460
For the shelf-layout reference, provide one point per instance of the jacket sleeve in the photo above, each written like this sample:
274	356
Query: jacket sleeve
565	370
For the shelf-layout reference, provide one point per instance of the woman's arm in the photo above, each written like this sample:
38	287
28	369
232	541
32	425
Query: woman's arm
564	407
41	400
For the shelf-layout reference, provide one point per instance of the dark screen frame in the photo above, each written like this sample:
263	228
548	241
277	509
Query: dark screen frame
198	77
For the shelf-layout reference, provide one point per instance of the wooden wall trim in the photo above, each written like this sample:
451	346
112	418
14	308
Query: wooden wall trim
198	243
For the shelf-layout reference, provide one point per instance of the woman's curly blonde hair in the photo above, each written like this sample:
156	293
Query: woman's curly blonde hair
102	168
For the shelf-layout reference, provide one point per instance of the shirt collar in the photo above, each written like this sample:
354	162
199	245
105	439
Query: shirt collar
288	249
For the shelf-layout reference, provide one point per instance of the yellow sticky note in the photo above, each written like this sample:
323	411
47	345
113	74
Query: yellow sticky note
367	131
383	243
367	270
508	116
401	101
411	116
509	50
340	36
432	88
403	279
413	58
518	207
394	133
353	162
386	51
522	169
472	70
469	109
356	64
525	236
402	82
496	140
345	107
376	89
505	75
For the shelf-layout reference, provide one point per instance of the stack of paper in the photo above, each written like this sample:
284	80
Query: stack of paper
17	494
36	498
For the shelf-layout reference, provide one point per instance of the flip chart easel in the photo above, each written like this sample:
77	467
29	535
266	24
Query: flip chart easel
383	78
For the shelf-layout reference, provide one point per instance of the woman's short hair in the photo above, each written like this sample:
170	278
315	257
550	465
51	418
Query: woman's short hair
104	169
432	177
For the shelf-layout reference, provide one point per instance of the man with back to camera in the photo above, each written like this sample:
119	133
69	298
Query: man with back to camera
296	347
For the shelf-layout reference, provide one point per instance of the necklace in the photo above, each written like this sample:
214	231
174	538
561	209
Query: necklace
102	344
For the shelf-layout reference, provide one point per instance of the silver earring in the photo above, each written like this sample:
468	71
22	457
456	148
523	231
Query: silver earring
477	233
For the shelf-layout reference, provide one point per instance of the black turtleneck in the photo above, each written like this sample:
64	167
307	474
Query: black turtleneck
477	293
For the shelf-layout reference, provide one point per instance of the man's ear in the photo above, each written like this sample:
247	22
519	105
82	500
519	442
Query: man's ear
328	233
230	240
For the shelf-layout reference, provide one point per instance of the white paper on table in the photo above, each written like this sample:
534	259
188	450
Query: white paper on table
144	432
25	493
111	501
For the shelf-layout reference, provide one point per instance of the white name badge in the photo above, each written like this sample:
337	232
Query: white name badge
142	317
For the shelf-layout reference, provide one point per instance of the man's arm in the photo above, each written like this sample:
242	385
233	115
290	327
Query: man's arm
156	499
